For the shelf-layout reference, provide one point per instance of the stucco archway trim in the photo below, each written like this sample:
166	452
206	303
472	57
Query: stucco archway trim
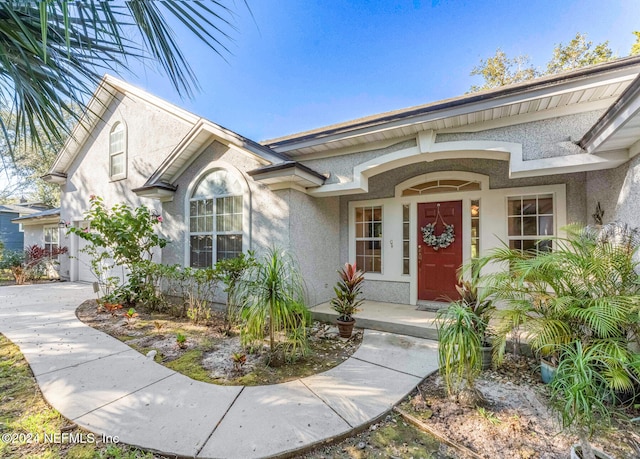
482	179
428	150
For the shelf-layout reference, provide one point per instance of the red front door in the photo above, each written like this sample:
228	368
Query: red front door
437	269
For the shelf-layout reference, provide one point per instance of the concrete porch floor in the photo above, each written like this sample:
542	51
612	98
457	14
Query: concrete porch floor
403	319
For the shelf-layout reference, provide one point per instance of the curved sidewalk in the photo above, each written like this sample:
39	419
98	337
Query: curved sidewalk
106	387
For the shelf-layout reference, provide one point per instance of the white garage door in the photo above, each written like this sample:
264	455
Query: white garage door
84	263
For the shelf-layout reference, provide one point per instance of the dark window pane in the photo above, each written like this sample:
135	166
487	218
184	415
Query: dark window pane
360	229
368	214
545	205
529	206
405	213
545	226
377	230
359	214
405	231
201	248
405	249
228	246
377	214
529	226
515	226
515	245
405	266
529	245
515	206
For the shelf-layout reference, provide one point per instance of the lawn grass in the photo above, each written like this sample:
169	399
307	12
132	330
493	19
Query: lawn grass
25	413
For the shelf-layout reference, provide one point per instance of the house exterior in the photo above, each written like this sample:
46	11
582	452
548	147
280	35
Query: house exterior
40	228
12	235
510	165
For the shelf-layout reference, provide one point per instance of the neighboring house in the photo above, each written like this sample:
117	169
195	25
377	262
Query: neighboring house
513	165
41	228
12	235
44	230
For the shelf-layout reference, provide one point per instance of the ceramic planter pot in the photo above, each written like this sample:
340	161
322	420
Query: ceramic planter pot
547	371
487	355
346	328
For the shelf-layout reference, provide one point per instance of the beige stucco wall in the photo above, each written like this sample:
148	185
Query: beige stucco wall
540	139
151	135
315	236
618	191
287	219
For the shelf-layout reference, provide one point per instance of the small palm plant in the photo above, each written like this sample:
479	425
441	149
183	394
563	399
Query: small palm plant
585	290
271	293
579	389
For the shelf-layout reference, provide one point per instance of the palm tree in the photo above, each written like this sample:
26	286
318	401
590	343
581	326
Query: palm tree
271	293
53	53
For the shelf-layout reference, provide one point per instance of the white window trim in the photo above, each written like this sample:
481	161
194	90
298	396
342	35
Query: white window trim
381	238
55	230
554	197
246	207
124	152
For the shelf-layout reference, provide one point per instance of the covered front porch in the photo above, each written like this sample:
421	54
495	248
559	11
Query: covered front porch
403	319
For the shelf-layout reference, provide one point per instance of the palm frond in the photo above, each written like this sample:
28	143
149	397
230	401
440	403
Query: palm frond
53	53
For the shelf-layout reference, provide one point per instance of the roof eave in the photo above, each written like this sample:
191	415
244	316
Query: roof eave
290	173
615	117
289	143
161	192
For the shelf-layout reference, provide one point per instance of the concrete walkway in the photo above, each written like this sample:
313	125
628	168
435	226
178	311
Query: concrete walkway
106	387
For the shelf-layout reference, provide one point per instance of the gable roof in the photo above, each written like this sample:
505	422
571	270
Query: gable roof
588	88
96	107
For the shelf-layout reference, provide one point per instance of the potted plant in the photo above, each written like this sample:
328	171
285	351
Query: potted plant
578	394
479	304
346	301
464	347
585	289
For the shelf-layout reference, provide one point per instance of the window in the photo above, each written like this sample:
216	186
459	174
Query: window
530	220
51	239
369	239
405	239
117	153
215	219
475	229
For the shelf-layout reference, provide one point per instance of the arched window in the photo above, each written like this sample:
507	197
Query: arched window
215	219
117	152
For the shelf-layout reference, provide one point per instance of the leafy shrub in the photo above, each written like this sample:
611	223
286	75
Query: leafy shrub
121	237
30	263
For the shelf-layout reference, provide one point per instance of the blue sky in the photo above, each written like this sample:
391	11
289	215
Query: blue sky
303	64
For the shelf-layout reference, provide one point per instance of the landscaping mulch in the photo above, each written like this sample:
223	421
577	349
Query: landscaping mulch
513	420
208	352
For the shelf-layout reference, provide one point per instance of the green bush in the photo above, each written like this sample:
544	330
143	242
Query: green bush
121	237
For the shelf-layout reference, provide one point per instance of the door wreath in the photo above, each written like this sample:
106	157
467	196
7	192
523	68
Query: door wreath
437	242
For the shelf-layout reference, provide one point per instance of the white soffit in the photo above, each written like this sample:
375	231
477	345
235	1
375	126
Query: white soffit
585	94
